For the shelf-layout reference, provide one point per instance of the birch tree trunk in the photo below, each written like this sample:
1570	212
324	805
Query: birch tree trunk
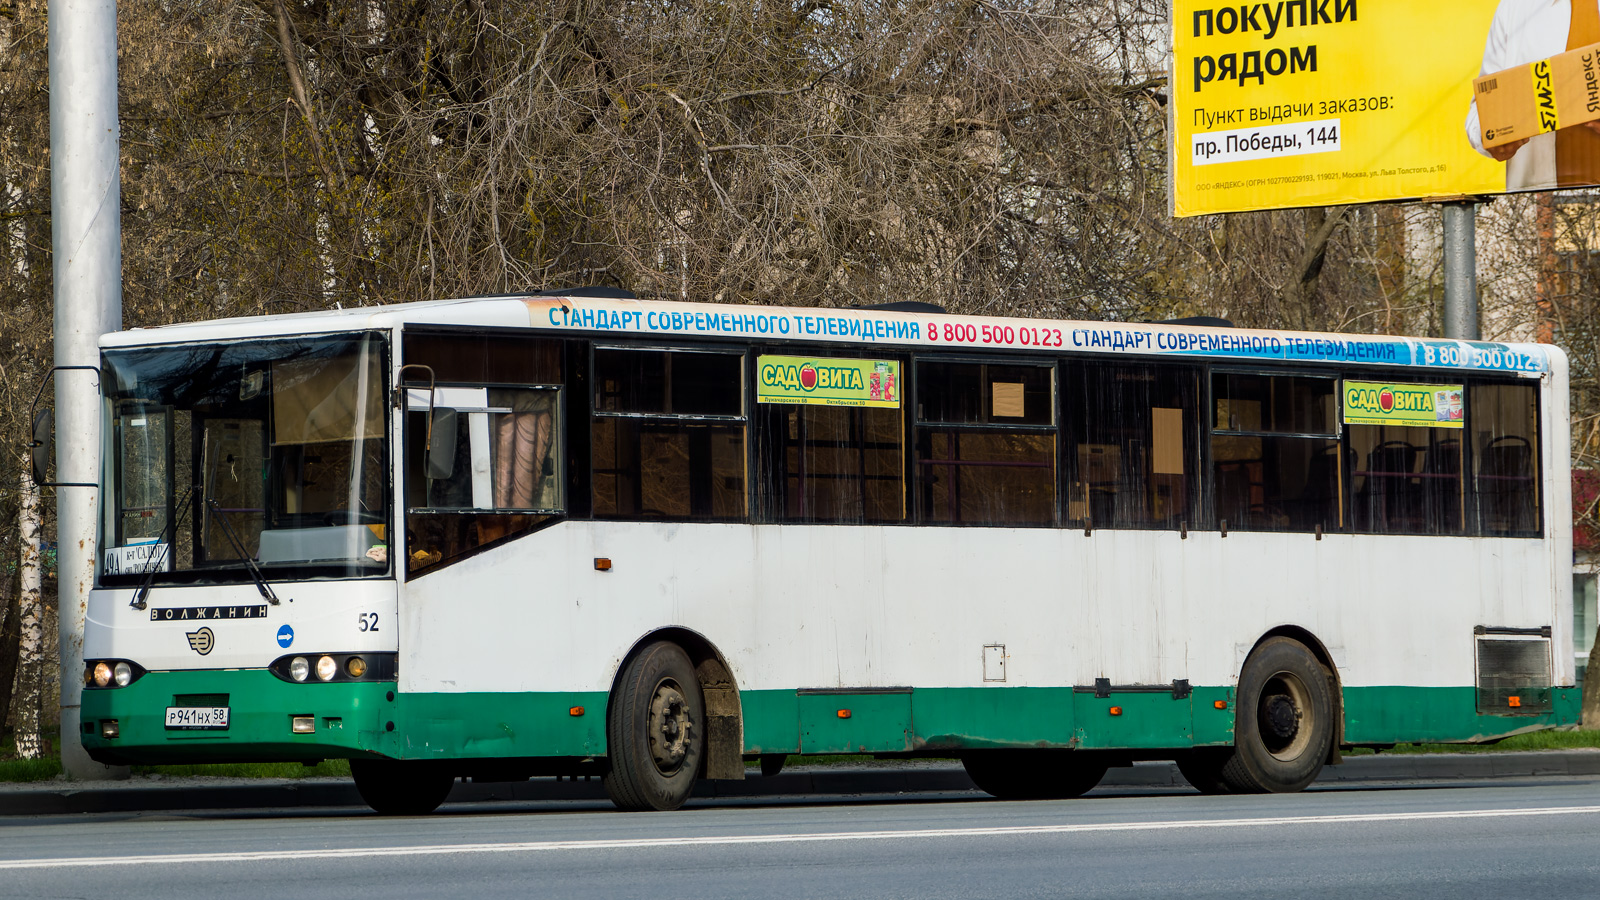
30	657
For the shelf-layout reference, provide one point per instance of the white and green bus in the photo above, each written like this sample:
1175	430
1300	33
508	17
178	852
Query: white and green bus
583	534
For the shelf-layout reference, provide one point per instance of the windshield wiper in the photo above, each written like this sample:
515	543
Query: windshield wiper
238	547
150	567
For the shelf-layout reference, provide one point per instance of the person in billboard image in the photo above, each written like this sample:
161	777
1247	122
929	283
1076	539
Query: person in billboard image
1525	31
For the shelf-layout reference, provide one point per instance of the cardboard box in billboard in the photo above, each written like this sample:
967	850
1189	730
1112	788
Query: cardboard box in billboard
1546	95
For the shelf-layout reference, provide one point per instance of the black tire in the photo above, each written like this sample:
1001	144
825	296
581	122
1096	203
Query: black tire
655	730
1034	774
1202	767
399	787
1283	725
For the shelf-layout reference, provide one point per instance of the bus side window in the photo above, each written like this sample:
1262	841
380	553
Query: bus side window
1133	446
1504	422
486	467
1405	479
986	444
1275	452
668	432
483	446
836	464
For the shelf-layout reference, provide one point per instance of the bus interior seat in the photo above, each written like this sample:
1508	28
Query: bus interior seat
1389	489
1505	475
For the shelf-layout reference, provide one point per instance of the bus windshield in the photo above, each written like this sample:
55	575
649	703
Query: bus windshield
269	451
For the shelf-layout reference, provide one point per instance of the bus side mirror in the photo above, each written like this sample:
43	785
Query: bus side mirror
43	439
442	445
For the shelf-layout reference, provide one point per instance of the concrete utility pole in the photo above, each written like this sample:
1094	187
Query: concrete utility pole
1460	270
86	239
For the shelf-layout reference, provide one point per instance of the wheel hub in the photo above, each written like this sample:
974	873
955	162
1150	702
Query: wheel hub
670	725
1285	718
1280	718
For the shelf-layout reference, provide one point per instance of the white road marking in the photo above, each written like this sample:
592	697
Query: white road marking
714	840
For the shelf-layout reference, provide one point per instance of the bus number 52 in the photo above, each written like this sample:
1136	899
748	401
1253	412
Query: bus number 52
369	622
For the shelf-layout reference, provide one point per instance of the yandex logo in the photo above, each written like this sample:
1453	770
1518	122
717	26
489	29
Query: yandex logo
1544	97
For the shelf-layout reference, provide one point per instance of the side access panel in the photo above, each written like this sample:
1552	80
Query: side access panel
855	721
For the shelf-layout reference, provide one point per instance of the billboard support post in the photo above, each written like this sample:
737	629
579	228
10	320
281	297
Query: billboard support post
1460	270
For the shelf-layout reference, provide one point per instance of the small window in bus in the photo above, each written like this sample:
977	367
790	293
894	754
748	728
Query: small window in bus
1504	423
482	464
483	440
1133	445
669	383
668	435
484	358
833	439
1275	457
1403	443
986	444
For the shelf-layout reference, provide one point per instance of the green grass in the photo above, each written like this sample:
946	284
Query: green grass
29	769
328	768
14	769
1538	740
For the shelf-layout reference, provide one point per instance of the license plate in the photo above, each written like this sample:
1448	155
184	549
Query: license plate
197	718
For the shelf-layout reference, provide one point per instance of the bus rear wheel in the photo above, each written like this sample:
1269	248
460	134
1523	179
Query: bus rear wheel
1033	774
1283	727
400	787
655	730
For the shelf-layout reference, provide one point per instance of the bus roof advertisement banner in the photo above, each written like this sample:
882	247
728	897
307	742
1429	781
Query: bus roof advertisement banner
1421	405
1326	102
865	329
828	382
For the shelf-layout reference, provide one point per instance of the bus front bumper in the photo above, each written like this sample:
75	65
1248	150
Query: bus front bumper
345	719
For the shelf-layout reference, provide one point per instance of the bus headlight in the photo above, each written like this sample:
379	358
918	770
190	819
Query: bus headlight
110	673
329	668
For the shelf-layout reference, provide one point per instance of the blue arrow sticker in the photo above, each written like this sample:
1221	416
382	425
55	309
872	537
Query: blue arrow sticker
285	636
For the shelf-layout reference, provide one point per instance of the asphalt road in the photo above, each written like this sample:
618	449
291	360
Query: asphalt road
1528	838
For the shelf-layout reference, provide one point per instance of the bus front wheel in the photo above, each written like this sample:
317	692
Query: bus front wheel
1283	726
400	787
1033	774
655	730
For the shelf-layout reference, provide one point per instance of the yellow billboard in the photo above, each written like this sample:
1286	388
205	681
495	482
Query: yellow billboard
1327	102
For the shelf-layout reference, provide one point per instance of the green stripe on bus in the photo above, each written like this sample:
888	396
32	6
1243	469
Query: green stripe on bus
353	720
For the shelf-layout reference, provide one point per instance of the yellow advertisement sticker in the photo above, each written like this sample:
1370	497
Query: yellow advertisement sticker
828	382
1420	405
1544	96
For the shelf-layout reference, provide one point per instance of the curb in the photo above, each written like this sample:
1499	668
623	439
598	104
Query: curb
808	781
